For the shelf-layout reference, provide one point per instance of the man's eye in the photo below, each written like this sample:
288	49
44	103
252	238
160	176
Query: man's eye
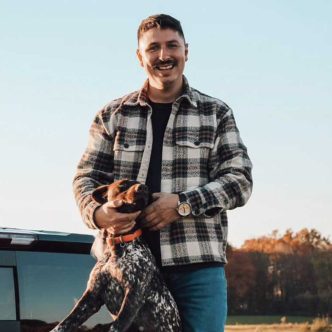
153	48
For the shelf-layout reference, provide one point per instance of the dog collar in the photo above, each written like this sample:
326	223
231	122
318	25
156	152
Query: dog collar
112	241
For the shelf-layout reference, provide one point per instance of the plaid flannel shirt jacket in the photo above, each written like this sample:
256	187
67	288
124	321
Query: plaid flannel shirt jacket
203	157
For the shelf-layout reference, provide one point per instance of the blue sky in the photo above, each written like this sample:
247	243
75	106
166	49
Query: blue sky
61	61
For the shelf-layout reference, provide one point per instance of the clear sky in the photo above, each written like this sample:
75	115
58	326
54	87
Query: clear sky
270	60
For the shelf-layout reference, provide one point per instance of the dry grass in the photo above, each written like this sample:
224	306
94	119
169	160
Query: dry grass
266	328
318	325
321	325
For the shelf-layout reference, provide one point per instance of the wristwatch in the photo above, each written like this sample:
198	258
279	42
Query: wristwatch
184	207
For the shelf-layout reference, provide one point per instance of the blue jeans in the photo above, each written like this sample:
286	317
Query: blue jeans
201	296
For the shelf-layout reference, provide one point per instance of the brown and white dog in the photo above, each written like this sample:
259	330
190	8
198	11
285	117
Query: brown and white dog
125	277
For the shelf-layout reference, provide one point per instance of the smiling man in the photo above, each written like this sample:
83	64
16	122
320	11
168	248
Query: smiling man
163	53
186	147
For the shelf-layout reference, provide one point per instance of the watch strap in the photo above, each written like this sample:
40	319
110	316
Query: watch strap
182	197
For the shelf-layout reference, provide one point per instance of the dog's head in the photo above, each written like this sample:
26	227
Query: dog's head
134	195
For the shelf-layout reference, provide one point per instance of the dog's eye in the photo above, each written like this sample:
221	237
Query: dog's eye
124	186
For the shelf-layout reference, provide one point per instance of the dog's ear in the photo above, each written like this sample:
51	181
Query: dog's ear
100	194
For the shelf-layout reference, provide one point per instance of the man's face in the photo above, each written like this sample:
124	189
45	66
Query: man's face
162	53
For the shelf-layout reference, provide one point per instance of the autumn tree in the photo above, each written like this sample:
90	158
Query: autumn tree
282	274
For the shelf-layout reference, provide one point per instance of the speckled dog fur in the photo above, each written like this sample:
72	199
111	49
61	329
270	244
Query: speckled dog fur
127	280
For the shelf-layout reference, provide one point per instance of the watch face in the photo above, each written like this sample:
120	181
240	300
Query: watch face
184	209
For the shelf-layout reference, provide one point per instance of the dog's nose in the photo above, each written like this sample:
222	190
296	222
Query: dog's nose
142	188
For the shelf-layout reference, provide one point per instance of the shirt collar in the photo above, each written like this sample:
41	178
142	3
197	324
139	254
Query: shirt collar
187	93
141	97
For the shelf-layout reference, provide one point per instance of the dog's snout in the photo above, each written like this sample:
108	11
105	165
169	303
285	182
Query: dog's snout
142	188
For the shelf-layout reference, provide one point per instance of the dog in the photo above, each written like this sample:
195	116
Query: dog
125	277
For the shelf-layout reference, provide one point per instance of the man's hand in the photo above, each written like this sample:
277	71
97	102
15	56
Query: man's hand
161	212
106	216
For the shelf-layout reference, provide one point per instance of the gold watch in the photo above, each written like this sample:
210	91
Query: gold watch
184	207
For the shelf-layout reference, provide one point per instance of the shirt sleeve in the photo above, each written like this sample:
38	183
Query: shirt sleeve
230	176
95	168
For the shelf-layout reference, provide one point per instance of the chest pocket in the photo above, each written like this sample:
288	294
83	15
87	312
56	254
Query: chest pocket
193	151
195	131
129	141
128	151
196	138
193	146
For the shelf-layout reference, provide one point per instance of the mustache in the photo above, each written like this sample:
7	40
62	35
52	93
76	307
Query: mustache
164	63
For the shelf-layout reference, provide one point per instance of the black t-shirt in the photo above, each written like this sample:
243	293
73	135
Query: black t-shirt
160	116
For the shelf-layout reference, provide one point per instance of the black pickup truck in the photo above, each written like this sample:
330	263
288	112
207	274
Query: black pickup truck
42	274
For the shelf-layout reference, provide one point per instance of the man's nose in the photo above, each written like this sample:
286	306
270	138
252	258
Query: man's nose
163	53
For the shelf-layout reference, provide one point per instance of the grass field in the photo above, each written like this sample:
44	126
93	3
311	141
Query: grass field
268	328
266	324
234	320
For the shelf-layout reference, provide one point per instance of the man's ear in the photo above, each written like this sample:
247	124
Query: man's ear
100	194
139	57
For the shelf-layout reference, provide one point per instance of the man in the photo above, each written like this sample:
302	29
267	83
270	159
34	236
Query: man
185	145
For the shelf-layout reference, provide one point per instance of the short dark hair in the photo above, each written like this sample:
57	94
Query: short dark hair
160	21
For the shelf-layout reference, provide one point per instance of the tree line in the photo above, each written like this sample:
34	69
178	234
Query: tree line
289	274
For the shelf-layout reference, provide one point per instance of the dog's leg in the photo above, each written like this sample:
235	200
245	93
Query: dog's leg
134	298
87	305
131	304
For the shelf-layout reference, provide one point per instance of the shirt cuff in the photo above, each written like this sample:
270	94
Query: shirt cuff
89	213
202	203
